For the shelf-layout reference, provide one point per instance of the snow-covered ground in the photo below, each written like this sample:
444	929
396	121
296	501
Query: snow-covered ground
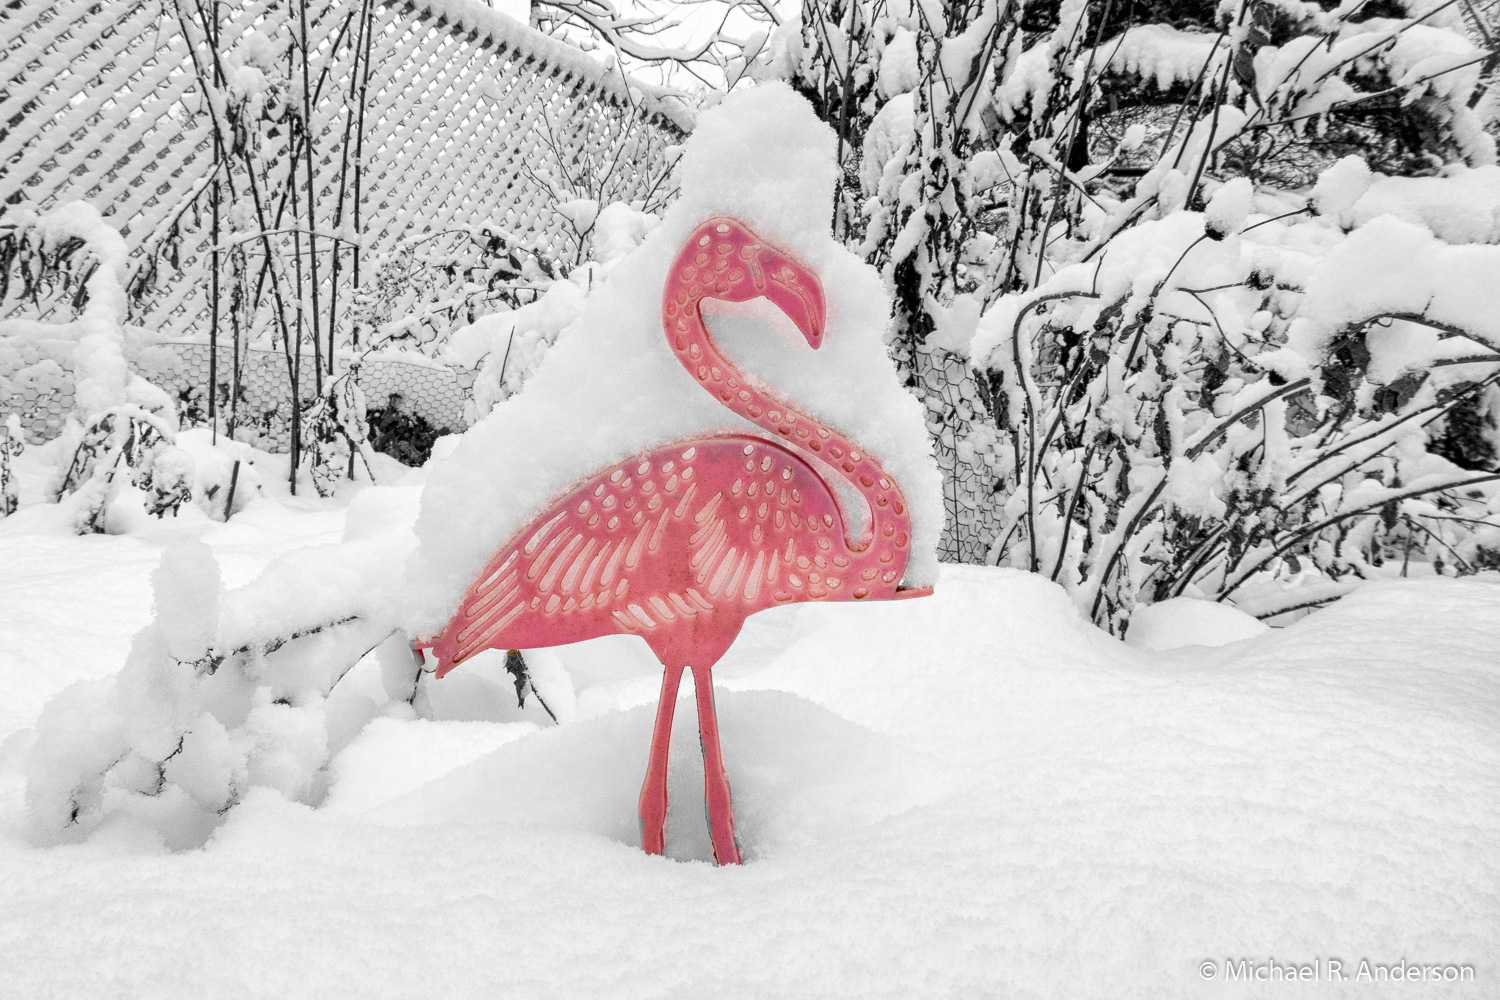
976	794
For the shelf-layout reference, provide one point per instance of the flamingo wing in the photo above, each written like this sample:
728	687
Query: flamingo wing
574	558
677	545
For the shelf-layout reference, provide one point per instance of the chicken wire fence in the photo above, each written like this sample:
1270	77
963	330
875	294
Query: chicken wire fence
957	417
435	392
440	394
469	118
42	396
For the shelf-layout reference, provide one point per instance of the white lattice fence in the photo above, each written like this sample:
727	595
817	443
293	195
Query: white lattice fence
470	118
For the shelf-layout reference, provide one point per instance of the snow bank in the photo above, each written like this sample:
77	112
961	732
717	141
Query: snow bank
1187	621
972	795
800	775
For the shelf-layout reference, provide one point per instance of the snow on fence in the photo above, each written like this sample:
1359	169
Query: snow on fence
471	118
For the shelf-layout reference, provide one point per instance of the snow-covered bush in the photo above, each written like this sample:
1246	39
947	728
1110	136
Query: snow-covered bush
124	426
205	708
337	432
507	346
1222	395
11	444
429	284
406	436
1198	379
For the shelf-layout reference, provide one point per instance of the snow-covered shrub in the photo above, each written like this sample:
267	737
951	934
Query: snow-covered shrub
11	444
583	186
124	424
225	477
507	346
1194	381
406	436
428	285
211	702
1197	408
337	432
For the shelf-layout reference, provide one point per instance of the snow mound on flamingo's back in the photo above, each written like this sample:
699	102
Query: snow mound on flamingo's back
610	386
799	775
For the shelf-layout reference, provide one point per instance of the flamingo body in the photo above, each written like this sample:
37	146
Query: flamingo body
681	544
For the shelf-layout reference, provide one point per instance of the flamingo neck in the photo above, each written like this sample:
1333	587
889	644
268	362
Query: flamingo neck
721	378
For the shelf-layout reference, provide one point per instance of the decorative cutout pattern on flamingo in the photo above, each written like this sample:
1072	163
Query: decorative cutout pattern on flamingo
682	543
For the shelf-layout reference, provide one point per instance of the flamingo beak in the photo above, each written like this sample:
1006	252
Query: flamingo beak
797	292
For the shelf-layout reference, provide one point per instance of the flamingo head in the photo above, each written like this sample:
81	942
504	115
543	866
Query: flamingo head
724	260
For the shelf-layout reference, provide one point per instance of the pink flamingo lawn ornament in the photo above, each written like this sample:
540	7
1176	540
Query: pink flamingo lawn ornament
681	544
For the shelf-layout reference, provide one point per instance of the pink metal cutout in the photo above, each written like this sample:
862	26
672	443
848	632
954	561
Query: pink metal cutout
681	544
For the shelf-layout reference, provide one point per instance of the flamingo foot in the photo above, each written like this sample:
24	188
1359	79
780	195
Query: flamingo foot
653	821
653	802
715	781
726	843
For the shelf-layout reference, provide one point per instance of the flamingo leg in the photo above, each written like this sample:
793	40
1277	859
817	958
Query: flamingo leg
715	780
653	804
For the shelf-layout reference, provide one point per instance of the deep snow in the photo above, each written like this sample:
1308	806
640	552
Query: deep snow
975	794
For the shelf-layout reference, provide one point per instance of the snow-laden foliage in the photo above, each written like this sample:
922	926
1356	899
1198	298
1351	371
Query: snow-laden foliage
337	433
188	725
315	177
1200	379
11	445
507	346
124	426
1198	405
